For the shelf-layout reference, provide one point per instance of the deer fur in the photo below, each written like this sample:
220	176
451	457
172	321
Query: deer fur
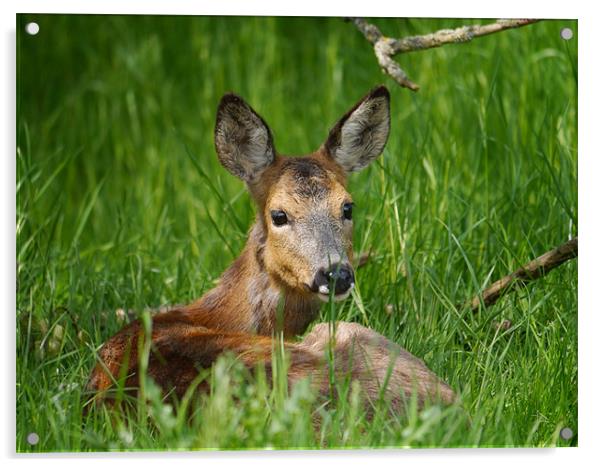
272	286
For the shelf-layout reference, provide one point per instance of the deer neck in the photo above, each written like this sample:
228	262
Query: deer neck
248	300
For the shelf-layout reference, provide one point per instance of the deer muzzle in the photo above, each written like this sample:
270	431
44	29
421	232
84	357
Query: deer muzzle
337	280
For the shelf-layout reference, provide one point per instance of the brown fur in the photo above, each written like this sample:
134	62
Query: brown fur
274	271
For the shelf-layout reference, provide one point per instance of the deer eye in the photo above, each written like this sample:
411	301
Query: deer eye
348	211
279	217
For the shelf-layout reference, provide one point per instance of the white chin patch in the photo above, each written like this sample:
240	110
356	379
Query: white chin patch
324	294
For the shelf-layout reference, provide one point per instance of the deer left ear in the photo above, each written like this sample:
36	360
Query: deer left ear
243	140
360	136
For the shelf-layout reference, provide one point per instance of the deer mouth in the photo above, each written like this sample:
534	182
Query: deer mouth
335	281
324	293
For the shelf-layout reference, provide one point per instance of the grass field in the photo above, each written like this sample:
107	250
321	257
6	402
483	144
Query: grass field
478	177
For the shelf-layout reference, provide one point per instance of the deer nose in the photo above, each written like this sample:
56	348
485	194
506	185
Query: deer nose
340	276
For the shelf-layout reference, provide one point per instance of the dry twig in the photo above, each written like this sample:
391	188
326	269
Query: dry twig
363	258
385	48
533	270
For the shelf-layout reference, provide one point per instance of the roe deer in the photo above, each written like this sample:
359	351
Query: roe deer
298	254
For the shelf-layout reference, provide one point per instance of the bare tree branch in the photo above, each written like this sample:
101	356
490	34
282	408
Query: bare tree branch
529	272
385	48
384	53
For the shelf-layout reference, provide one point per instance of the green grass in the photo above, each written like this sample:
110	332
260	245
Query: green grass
479	176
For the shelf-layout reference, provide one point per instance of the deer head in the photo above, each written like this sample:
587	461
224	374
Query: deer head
304	210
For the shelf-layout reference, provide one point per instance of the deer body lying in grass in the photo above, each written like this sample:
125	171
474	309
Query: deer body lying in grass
298	255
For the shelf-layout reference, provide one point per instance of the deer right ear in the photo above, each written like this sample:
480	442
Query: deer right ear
360	135
243	140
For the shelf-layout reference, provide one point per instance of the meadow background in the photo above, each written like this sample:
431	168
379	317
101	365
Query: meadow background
122	204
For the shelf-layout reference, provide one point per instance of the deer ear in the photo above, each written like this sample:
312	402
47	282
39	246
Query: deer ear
243	140
360	136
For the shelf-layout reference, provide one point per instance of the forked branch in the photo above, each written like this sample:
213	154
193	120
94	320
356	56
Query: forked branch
529	272
385	48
